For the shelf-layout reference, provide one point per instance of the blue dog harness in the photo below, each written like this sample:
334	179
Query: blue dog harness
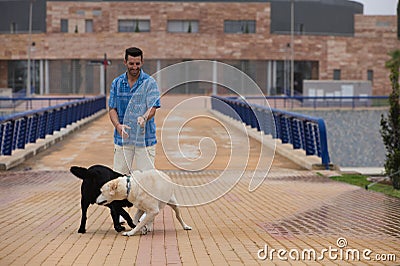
128	185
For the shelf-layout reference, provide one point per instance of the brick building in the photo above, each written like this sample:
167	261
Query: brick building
332	40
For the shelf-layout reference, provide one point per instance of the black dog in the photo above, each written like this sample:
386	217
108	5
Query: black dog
94	178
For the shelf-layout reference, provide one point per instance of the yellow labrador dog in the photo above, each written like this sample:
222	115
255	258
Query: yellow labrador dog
149	191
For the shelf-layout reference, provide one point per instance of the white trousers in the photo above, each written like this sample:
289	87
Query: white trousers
132	158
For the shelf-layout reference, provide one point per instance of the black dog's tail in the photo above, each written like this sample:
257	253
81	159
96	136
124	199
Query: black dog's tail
79	172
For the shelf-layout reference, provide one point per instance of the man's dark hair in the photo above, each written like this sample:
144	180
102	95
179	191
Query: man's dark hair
133	51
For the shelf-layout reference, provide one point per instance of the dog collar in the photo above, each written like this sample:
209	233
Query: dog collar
128	185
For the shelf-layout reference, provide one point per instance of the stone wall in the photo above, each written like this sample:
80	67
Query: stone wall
353	136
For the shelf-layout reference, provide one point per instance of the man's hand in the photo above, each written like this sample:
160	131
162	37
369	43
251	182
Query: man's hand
121	130
141	121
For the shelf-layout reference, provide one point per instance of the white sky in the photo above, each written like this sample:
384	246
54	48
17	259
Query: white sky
379	7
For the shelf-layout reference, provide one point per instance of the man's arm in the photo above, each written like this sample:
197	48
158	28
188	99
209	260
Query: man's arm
150	113
115	121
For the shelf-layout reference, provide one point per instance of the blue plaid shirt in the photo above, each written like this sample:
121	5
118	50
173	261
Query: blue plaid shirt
132	103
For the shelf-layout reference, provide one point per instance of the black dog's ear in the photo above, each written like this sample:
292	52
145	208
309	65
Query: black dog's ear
79	172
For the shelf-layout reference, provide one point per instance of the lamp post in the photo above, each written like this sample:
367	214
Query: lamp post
292	48
286	69
28	78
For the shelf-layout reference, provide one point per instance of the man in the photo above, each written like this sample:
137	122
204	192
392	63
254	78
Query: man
134	99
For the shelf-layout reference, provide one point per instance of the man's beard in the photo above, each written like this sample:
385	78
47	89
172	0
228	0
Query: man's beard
134	72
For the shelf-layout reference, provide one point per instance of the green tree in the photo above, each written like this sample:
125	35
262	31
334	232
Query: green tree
390	125
398	20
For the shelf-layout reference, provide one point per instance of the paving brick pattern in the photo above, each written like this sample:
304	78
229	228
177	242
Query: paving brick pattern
40	215
293	213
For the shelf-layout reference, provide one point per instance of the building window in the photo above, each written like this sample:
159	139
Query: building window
370	75
336	74
239	26
303	70
96	13
188	26
383	24
89	25
133	25
64	25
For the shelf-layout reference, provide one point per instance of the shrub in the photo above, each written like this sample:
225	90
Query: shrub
390	125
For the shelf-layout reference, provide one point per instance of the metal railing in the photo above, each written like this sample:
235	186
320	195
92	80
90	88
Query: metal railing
27	127
19	103
303	132
317	102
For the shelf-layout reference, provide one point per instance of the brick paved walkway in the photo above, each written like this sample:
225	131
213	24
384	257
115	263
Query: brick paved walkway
294	211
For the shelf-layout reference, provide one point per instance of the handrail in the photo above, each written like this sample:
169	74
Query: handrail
19	129
28	101
321	101
42	98
302	131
